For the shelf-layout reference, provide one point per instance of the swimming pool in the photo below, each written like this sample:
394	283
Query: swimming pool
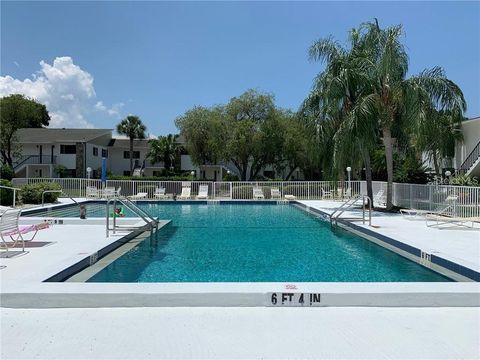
253	243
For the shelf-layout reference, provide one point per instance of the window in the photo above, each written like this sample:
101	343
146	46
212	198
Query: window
68	149
95	151
126	173
105	153
135	155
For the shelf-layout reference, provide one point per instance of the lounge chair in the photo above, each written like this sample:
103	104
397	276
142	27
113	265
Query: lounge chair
9	228
436	220
326	194
160	193
258	193
111	192
92	192
140	195
275	193
186	193
411	214
379	198
202	192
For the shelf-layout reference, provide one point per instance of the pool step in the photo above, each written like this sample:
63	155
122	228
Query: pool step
213	202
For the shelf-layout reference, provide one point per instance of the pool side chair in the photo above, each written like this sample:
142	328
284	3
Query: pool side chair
11	233
202	192
412	214
275	193
140	195
379	199
327	194
258	193
186	193
437	220
160	193
91	192
108	192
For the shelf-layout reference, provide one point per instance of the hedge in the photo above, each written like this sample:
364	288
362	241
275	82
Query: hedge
32	193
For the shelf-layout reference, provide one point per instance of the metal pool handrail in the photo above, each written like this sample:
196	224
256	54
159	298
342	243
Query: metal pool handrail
14	192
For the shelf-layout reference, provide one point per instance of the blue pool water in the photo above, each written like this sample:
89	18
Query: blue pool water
255	243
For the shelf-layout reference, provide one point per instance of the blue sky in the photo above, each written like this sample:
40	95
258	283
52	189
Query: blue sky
104	60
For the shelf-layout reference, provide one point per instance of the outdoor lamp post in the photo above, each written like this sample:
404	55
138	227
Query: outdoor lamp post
192	173
349	169
448	173
89	170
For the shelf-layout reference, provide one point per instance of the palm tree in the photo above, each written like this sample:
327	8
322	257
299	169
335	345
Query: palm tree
437	136
401	102
165	149
342	93
132	127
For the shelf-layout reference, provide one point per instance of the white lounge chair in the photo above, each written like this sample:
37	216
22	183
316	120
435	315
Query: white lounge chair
186	193
411	214
202	192
9	228
140	195
379	198
275	193
92	192
111	192
160	193
326	194
437	220
258	193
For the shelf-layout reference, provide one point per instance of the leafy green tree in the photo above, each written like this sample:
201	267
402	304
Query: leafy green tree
205	132
400	102
132	127
165	149
18	111
437	136
253	139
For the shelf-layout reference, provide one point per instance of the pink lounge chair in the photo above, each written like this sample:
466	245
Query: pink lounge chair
9	228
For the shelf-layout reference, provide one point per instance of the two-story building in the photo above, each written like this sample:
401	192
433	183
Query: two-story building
50	152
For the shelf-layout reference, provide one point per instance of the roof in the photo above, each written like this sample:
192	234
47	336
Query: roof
125	143
56	135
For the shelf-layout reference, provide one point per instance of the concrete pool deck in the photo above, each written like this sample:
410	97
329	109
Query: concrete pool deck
23	277
86	321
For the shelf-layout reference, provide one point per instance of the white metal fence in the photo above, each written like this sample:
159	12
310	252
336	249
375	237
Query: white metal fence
414	196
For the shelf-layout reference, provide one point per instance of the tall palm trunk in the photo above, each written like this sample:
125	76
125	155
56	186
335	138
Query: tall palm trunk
131	156
368	174
387	142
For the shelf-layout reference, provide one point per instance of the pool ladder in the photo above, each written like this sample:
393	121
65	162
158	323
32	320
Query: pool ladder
348	205
146	217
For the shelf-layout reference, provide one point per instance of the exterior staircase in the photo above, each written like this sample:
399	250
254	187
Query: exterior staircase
471	163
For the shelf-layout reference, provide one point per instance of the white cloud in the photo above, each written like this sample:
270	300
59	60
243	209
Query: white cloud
65	89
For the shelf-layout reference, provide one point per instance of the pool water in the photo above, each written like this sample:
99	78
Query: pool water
255	243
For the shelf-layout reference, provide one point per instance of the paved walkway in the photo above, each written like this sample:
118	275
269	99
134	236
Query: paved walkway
241	333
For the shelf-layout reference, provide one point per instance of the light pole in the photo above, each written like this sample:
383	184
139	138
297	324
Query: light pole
192	173
349	169
448	173
89	170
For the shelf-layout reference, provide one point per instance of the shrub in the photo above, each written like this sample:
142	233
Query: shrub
152	178
7	172
32	193
6	195
464	180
